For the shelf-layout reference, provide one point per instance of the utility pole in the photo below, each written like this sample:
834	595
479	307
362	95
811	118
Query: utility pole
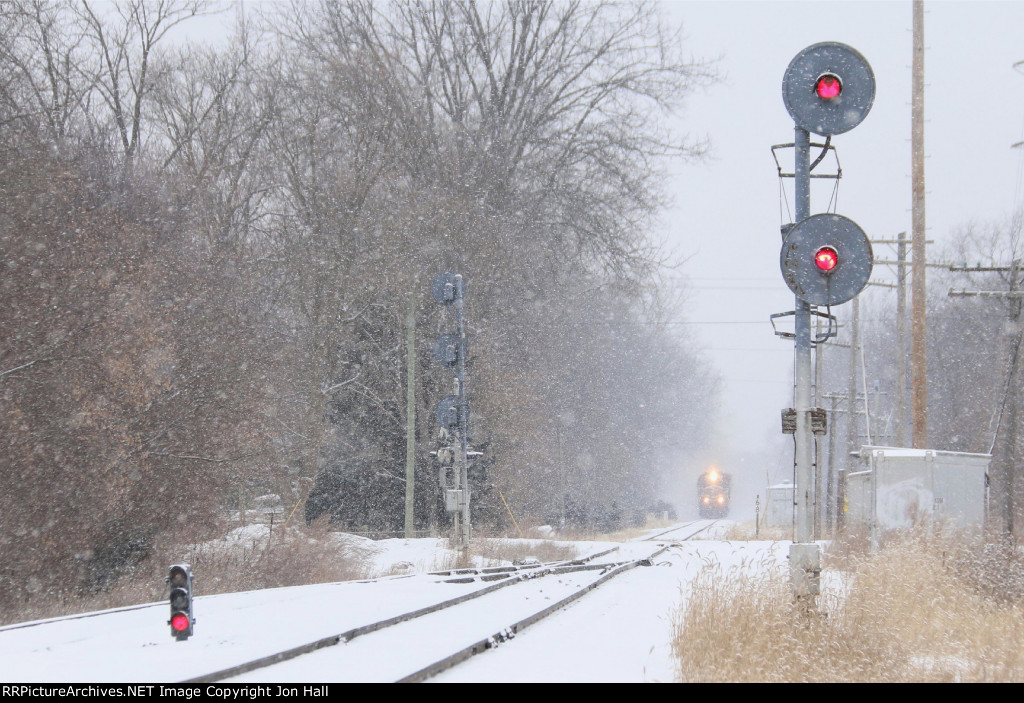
902	436
901	340
837	477
834	491
903	389
410	415
1005	485
901	265
918	352
852	443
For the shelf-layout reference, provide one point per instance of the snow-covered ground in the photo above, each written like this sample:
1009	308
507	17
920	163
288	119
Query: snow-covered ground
621	632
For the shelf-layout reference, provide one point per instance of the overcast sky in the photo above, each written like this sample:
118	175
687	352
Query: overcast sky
728	212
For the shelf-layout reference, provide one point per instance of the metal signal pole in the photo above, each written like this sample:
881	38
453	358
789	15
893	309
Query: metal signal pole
802	354
462	457
453	410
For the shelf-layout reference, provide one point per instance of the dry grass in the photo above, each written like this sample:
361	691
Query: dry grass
293	556
263	558
923	609
745	531
49	605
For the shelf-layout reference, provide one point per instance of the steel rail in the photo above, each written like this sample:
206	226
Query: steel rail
512	630
500	577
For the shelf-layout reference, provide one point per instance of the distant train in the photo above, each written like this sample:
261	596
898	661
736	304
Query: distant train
713	493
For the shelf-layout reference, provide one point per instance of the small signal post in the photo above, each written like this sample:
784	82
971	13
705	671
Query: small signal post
182	621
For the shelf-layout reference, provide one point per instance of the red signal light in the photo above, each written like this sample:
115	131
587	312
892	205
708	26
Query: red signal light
826	259
179	622
180	579
828	86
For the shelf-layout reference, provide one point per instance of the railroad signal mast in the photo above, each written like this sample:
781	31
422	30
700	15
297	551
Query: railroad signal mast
826	259
452	411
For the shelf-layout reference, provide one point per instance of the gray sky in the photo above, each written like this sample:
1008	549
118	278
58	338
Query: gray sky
728	212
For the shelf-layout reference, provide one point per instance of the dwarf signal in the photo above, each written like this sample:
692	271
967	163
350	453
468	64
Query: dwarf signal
182	620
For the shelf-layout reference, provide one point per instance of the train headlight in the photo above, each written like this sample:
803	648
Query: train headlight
713	476
721	499
706	500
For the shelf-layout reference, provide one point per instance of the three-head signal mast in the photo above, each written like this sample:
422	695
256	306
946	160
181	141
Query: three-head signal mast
826	259
452	411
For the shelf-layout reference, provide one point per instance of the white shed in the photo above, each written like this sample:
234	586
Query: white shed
778	510
903	487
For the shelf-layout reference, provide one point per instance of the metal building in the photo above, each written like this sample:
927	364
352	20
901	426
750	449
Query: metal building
899	488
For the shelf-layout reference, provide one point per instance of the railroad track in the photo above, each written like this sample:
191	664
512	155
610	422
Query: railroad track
398	628
681	533
417	645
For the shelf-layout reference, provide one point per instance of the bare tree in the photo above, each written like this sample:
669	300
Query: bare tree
47	80
517	143
215	252
125	48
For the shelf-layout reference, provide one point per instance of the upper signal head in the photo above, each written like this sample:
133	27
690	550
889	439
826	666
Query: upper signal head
828	88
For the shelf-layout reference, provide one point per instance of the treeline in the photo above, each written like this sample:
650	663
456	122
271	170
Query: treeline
210	253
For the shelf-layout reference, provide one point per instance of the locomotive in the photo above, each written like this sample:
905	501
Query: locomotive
713	494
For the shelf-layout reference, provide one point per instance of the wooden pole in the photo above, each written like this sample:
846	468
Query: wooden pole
410	416
918	353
